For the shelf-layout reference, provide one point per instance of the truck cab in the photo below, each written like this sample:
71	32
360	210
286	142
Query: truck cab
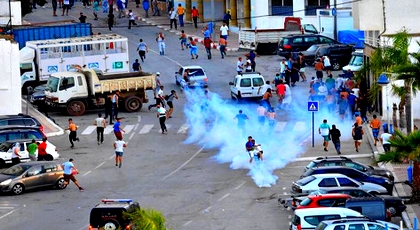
248	86
191	76
356	62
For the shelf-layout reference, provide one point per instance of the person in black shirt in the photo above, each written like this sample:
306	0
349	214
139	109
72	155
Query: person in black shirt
335	138
82	18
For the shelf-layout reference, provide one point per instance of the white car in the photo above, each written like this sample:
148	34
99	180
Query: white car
312	183
195	76
355	223
248	85
7	146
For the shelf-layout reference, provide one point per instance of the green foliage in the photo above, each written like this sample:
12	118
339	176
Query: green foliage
403	147
149	219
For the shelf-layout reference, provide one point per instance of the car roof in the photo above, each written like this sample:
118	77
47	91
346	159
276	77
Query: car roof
326	158
248	74
325	175
307	35
341	188
330	195
15	127
333	167
326	210
19	115
192	67
32	163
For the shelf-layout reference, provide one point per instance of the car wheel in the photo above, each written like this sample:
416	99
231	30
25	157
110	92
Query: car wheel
392	210
2	163
111	225
133	104
48	157
18	189
61	184
336	66
76	108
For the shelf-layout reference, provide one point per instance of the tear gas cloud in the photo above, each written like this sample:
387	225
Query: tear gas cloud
213	125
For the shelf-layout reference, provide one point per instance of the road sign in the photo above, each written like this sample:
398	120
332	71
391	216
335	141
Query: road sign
334	11
313	106
117	65
93	65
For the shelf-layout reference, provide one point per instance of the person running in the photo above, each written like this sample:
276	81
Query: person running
257	152
142	49
100	123
117	129
224	31
73	132
193	48
159	98
183	39
385	137
281	93
249	146
169	102
222	46
110	21
31	148
136	66
327	64
262	113
207	44
375	124
302	64
241	117
239	65
271	115
119	146
324	130
160	39
69	172
357	134
42	150
131	20
161	114
343	106
266	99
319	67
16	154
335	138
95	9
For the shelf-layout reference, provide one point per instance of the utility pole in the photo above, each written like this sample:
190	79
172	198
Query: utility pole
335	19
212	20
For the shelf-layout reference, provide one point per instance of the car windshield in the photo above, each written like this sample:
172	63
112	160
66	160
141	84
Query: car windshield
16	170
305	180
52	84
356	61
5	146
313	48
311	165
196	72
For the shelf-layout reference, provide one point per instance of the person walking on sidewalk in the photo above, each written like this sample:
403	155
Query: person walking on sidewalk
194	14
69	172
161	114
73	132
375	124
111	21
357	134
172	17
118	130
95	9
131	20
180	11
207	45
385	137
335	135
142	49
160	39
324	130
32	147
156	11
222	46
227	17
169	101
119	146
54	6
100	124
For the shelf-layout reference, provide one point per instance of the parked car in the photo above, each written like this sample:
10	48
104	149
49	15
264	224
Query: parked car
315	182
355	224
298	43
248	86
373	207
344	161
38	95
310	53
354	174
339	54
7	146
20	120
196	76
395	205
309	218
10	133
109	214
31	175
324	200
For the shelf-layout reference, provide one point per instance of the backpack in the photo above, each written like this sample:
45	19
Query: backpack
166	97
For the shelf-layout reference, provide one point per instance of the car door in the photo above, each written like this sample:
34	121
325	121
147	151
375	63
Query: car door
51	174
245	86
328	182
257	83
179	74
34	177
24	155
345	182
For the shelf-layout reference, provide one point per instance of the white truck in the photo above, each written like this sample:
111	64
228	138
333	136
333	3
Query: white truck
267	40
356	62
88	89
39	59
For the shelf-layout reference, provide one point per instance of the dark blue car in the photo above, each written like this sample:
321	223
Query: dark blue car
353	173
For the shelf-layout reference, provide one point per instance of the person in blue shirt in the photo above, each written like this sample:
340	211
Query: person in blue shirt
249	146
241	117
118	129
226	18
206	32
352	99
69	172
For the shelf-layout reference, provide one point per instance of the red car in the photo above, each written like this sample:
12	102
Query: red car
324	200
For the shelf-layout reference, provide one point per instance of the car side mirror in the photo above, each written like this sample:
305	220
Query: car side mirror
230	83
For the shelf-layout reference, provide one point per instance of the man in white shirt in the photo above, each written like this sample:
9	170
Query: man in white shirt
327	65
132	19
161	114
172	17
248	64
100	123
239	65
159	98
385	137
224	31
119	146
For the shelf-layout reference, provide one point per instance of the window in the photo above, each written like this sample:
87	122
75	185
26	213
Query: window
311	40
355	166
339	227
66	82
29	122
245	82
196	72
282	7
313	5
332	164
328	182
344	182
50	168
315	220
257	82
325	40
298	40
34	171
326	202
356	227
79	80
375	227
16	122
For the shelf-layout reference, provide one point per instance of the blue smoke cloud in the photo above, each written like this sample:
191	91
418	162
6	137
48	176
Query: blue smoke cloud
213	125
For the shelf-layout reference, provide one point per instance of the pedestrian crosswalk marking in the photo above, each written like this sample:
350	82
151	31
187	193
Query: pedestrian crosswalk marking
108	129
280	126
146	129
89	130
128	128
183	129
168	126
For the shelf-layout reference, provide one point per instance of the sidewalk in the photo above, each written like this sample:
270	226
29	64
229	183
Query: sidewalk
162	22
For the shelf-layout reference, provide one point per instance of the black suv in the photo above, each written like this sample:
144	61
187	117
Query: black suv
297	43
10	133
344	161
109	214
20	120
339	54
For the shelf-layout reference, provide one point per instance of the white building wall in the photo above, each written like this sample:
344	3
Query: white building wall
10	90
16	12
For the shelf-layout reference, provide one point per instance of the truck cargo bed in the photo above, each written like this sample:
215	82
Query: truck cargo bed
122	75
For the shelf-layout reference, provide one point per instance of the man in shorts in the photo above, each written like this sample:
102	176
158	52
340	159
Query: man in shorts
118	130
169	101
69	172
375	124
324	130
119	146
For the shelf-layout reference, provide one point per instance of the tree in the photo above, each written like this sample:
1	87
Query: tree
147	219
405	147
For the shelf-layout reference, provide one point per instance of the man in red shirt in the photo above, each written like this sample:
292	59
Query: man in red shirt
194	14
281	92
42	150
207	45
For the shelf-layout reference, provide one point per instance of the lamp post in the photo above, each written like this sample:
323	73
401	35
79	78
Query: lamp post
384	81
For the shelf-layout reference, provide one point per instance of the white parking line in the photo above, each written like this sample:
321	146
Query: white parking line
187	223
1	217
86	173
180	167
223	197
131	136
100	165
183	129
112	156
7	207
88	130
239	186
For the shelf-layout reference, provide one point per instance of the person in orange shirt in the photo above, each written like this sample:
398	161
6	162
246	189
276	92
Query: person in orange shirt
180	11
359	120
222	46
375	124
194	14
73	132
319	67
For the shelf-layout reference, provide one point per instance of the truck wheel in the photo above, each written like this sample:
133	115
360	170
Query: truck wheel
272	49
133	104
76	108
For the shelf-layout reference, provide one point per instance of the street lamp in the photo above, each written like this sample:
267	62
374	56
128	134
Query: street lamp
384	81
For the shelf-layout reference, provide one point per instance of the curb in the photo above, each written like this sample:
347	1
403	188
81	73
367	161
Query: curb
43	117
408	214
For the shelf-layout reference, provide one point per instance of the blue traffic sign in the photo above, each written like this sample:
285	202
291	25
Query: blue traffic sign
313	106
334	11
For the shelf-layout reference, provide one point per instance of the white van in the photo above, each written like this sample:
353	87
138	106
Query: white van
309	218
248	85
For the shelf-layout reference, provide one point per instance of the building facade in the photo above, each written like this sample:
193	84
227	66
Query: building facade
10	90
